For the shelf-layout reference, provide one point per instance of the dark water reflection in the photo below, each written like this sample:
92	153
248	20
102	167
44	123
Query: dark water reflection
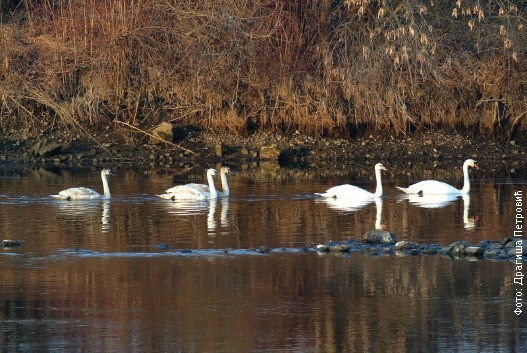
91	275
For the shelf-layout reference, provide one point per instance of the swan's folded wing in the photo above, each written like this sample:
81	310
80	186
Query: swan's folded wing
346	191
184	192
431	187
80	193
199	187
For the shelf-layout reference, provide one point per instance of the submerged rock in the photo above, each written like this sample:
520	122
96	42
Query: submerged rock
457	248
405	245
333	246
264	249
474	251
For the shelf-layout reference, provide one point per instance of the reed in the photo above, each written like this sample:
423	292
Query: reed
321	67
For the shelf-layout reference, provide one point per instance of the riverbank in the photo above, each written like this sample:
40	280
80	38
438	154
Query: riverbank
191	148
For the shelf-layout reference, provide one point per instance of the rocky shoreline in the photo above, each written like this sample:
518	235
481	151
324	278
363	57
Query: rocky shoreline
187	147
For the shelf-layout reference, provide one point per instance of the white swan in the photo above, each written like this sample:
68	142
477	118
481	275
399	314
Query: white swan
205	188
351	191
82	193
188	192
440	188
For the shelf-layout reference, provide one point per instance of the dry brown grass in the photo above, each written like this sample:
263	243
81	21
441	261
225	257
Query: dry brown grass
321	67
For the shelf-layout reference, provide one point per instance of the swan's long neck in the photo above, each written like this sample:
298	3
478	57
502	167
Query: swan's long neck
105	186
224	184
466	181
212	188
378	189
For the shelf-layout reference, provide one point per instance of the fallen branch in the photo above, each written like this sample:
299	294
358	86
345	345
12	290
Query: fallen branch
154	136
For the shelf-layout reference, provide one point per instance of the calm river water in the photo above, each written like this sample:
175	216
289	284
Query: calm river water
117	276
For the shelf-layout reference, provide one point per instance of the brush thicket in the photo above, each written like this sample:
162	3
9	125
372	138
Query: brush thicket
321	67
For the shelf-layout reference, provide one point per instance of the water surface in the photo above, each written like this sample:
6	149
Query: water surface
117	275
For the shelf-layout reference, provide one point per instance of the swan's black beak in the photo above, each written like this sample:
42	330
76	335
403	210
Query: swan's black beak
476	166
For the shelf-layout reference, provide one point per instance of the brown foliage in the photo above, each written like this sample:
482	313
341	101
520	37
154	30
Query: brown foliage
322	67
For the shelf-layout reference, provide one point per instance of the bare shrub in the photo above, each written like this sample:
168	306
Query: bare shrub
322	67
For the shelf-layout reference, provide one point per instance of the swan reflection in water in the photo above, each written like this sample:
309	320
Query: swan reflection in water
439	201
209	207
429	201
105	219
469	222
83	208
224	216
353	205
346	205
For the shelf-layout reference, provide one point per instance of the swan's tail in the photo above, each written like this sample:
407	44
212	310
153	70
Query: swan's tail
166	196
59	197
405	190
326	195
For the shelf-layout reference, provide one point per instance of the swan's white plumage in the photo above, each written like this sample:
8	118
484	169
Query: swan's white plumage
439	187
351	191
82	193
189	192
204	188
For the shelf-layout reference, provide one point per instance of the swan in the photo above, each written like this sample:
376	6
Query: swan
205	188
440	188
188	192
351	191
82	193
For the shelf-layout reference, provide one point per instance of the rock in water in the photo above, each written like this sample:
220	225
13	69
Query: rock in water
405	245
6	243
378	236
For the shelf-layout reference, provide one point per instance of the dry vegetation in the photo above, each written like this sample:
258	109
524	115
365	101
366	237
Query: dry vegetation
322	67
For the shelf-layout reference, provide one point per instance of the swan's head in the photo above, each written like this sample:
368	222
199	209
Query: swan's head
226	170
211	172
471	163
380	166
107	172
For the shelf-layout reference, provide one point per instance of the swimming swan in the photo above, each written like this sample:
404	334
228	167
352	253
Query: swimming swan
82	193
440	188
351	191
188	192
205	188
